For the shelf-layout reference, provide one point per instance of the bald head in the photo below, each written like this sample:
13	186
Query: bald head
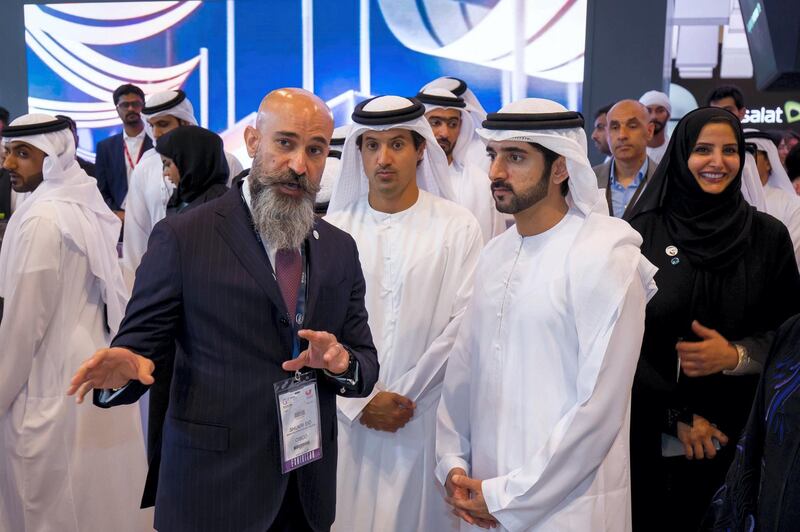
629	131
628	108
299	103
293	130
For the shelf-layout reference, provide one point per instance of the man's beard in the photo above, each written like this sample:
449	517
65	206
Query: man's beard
658	127
283	221
25	184
446	145
602	147
520	202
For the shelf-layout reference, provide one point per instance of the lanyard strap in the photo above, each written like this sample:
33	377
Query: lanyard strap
635	197
128	154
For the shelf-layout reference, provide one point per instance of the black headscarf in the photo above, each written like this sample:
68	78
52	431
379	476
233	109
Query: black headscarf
711	229
200	158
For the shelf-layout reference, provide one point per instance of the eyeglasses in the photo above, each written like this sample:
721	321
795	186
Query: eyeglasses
130	105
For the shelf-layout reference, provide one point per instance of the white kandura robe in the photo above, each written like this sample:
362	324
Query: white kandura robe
418	267
786	208
656	154
471	185
536	413
64	467
146	205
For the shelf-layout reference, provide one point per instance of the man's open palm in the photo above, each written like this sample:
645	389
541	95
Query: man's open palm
111	367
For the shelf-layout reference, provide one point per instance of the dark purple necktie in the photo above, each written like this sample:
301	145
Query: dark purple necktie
288	270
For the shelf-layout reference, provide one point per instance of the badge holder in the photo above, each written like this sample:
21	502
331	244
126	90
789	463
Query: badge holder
298	415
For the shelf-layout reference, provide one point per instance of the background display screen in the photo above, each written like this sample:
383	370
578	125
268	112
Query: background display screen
227	55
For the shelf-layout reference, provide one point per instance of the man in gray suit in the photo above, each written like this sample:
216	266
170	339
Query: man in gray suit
626	175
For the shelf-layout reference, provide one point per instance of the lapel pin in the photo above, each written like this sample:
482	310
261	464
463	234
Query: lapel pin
671	251
316	234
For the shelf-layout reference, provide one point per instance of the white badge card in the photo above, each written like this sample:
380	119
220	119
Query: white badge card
298	412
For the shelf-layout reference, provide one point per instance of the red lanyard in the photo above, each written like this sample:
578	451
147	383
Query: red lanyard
128	154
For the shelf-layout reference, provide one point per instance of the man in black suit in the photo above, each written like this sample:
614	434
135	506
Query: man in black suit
118	155
206	301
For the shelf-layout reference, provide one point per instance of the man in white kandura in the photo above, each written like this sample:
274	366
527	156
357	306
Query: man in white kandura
333	165
418	252
453	126
148	191
533	423
781	200
477	151
459	88
64	296
660	110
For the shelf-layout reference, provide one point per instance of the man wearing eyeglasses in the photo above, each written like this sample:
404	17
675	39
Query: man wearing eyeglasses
119	154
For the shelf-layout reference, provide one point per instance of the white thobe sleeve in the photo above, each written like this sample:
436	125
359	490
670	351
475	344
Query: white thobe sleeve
583	437
453	415
30	307
137	227
429	370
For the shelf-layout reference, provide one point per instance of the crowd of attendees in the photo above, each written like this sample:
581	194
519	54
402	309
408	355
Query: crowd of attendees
713	400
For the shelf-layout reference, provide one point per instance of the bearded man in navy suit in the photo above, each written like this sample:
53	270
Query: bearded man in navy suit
210	301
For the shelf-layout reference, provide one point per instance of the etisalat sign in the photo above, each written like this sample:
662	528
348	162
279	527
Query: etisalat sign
788	113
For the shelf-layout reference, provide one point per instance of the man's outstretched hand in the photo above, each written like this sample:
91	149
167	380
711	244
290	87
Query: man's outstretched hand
111	367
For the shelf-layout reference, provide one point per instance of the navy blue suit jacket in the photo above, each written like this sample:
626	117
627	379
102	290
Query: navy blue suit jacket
112	177
206	301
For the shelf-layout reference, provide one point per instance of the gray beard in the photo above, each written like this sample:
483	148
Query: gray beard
282	221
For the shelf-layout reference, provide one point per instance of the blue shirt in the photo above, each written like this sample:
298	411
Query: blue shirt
621	196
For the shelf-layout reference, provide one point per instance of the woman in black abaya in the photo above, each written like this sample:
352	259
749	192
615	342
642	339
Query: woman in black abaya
194	161
727	279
